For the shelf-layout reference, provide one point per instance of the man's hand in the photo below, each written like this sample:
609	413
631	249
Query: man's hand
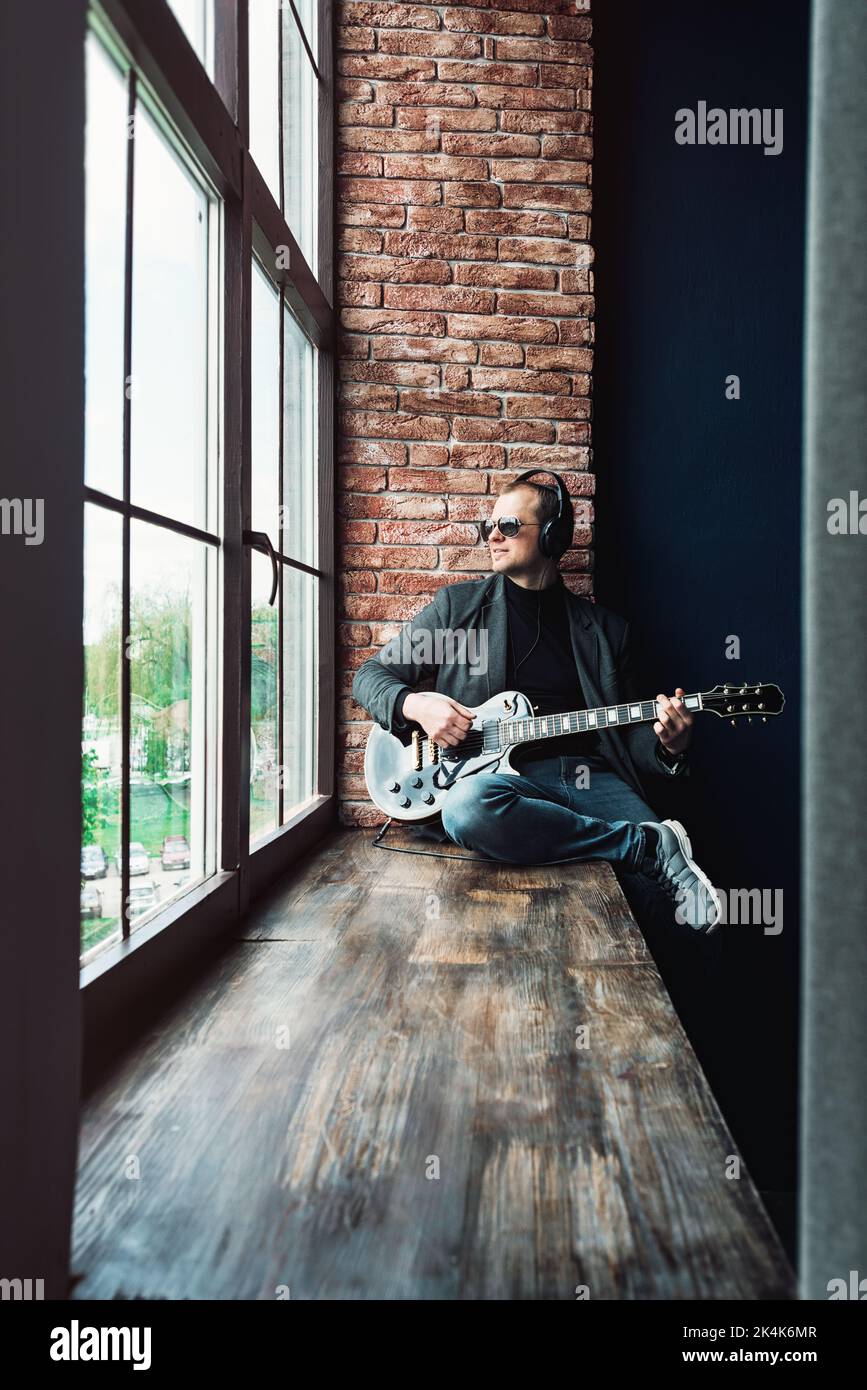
673	728
443	719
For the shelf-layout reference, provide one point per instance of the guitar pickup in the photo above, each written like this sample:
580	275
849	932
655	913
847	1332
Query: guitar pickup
416	751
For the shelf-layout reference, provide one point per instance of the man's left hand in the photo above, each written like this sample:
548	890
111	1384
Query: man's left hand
673	728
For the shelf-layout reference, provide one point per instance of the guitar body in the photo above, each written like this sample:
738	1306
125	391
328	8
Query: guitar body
394	777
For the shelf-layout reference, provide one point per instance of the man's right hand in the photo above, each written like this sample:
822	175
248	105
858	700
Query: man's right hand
443	719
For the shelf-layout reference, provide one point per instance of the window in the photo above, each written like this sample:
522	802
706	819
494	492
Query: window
208	625
149	797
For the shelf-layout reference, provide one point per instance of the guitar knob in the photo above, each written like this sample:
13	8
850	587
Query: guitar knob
406	802
417	782
429	801
395	788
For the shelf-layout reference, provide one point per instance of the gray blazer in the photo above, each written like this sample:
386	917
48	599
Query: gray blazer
414	658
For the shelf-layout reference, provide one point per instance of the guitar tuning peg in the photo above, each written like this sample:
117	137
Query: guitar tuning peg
733	722
764	719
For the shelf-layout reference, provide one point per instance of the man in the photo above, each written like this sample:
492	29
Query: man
576	796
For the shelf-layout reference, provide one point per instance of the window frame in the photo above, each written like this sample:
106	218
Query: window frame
212	120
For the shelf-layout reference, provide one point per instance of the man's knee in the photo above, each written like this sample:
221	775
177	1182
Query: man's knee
463	806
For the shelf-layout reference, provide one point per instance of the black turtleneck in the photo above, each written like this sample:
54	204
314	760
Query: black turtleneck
540	663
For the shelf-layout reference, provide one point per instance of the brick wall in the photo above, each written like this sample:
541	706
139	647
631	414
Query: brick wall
465	287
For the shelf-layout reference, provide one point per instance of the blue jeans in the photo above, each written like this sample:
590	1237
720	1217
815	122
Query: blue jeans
545	814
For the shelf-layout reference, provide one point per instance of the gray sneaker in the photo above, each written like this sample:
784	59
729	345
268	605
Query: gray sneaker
698	902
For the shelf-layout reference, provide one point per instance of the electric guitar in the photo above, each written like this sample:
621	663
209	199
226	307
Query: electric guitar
409	780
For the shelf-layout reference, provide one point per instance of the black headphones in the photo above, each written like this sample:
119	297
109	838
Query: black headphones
555	536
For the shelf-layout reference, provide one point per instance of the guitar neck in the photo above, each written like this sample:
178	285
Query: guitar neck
585	721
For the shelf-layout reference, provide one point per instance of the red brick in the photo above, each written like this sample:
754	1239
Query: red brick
393	321
358	582
504	431
428	456
393	373
525	330
391	505
525	98
531	195
438	480
450	402
357	532
355	38
506	379
425	94
369	296
394	269
486	21
569	171
503	354
370	479
503	146
430	45
444	297
567	147
456	378
393	426
399	582
505	74
515	277
563	75
445	118
519	224
464	248
576	331
379	215
389	557
367	396
580	306
424	350
433	166
373	456
386	68
478	456
358	239
471	195
381	14
350	89
435	220
388	191
575	282
387	141
425	533
378	606
573	433
569	359
365	113
566	26
538	50
548	407
547	122
553	457
458	558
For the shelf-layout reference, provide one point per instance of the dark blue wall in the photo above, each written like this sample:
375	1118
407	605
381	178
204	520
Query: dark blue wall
699	274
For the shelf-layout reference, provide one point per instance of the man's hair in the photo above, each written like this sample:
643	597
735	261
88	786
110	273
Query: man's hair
547	498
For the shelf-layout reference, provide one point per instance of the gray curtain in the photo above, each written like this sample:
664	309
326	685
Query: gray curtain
833	1203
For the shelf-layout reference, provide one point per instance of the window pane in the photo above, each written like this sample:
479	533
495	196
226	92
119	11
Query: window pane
101	728
308	14
264	703
196	18
265	405
299	540
264	30
300	141
173	683
169	373
106	147
300	665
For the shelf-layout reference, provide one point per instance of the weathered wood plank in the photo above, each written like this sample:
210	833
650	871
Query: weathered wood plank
379	1094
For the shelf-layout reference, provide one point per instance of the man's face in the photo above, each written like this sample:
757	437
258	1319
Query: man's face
516	554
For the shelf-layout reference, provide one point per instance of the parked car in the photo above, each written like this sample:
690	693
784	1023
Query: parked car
94	863
176	852
142	898
139	863
91	901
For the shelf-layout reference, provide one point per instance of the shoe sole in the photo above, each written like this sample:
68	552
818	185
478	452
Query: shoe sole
686	849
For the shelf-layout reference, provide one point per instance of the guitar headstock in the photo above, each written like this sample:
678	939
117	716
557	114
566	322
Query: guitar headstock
744	700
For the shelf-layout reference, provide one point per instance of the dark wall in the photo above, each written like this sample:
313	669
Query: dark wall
699	275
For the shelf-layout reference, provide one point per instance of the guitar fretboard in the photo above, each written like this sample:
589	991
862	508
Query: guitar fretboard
583	721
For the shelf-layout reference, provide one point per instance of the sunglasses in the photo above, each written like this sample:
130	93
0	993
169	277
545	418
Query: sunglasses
506	525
